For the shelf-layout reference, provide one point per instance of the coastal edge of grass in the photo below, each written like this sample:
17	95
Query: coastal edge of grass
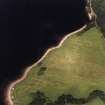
77	67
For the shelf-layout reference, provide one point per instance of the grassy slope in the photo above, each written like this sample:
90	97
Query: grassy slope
78	67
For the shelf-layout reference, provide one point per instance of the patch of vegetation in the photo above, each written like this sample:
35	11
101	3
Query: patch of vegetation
41	71
39	99
77	68
99	8
64	99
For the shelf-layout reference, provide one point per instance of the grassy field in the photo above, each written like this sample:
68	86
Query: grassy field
96	101
78	68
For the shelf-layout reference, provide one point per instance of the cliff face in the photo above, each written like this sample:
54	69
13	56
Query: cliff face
99	8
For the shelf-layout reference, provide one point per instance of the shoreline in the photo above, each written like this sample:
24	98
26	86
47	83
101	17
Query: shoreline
8	97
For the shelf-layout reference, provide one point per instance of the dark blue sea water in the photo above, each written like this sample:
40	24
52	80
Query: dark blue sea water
29	27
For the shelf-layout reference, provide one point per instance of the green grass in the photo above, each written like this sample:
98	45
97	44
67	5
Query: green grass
96	101
78	68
